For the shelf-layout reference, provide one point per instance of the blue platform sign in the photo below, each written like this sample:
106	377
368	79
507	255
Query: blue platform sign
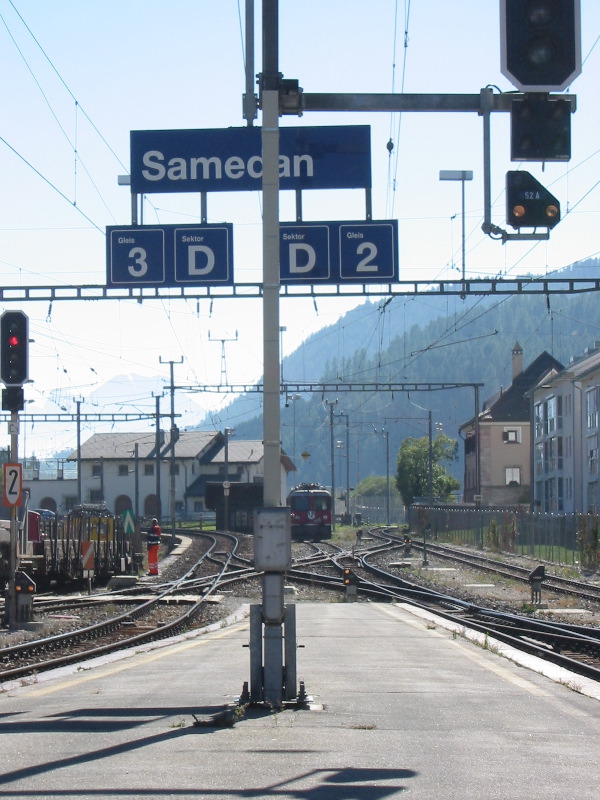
230	159
169	255
339	252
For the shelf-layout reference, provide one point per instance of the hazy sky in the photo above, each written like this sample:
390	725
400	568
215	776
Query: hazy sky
79	76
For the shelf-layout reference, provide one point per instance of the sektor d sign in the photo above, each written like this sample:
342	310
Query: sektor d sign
339	252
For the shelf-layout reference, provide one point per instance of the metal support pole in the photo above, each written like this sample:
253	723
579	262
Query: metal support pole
157	457
273	653
331	404
387	477
136	476
228	432
79	497
486	106
249	99
349	515
270	188
463	235
430	459
173	439
11	600
477	444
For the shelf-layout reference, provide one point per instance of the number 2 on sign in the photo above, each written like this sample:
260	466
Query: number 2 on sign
366	264
13	484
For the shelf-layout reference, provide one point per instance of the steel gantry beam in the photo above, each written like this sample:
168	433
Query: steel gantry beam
82	417
333	386
248	291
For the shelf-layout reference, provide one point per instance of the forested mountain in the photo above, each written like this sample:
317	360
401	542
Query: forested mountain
422	339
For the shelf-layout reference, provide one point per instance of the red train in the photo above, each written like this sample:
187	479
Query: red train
310	505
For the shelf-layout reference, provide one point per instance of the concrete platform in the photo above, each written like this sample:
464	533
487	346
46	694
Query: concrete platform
409	707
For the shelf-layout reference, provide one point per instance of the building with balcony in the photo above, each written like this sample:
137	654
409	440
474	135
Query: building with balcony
566	414
497	443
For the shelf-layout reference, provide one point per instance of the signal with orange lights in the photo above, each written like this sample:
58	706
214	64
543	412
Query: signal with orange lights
24	584
528	203
350	578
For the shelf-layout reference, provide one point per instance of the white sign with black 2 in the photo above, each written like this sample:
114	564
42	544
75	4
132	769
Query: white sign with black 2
339	252
169	255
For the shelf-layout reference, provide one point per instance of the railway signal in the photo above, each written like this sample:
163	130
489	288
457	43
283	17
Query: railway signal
14	346
540	128
528	203
541	43
350	578
13	398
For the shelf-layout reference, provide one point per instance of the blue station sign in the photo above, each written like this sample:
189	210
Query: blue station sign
230	159
169	255
339	252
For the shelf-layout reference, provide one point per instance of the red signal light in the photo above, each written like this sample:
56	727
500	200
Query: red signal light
14	343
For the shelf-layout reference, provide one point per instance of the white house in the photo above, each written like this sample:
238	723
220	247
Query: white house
133	470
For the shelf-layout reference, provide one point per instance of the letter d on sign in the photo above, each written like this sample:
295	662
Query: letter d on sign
310	257
193	252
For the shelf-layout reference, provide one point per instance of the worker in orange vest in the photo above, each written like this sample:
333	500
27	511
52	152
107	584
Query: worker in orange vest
153	542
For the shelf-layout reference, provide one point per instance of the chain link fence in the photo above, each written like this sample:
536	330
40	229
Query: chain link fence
569	539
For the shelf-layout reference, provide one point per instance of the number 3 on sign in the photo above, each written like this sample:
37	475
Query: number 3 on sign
13	484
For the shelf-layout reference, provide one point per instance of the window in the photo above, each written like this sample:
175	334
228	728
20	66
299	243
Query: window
551	415
96	470
511	435
539	412
513	476
198	505
550	495
174	469
123	470
148	469
591	407
592	446
96	496
538	455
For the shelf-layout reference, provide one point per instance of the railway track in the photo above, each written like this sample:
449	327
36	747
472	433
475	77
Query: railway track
142	621
177	606
575	647
555	583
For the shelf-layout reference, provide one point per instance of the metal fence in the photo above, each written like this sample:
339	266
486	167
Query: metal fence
570	539
374	511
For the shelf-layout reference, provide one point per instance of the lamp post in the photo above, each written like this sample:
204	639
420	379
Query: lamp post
461	175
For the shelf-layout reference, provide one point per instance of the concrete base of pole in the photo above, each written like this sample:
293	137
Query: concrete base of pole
273	681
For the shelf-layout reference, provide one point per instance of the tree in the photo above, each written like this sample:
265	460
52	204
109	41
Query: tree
374	486
412	476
